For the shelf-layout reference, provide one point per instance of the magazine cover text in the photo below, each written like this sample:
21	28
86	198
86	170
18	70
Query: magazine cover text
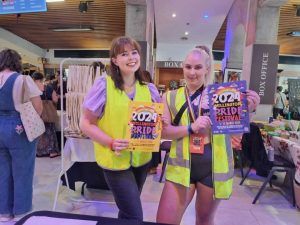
144	126
229	108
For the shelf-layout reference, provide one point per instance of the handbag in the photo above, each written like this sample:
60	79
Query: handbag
31	120
49	114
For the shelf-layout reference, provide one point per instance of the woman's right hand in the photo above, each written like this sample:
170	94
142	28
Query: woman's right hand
118	145
202	125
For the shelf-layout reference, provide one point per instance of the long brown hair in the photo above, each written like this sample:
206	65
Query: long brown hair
117	47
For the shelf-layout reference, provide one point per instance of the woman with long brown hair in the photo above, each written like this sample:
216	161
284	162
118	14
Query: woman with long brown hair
105	120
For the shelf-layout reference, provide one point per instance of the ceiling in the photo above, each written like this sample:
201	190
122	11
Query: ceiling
107	17
201	19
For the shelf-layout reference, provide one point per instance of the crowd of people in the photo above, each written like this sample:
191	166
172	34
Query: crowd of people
104	122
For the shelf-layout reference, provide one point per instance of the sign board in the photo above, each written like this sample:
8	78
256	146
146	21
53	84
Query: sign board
22	6
263	71
169	64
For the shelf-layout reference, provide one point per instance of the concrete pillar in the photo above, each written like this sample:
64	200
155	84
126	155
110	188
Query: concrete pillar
140	26
236	34
267	21
250	22
136	16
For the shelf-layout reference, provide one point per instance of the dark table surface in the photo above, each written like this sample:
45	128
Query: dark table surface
100	220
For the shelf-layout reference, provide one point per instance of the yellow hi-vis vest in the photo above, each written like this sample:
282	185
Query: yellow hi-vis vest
178	169
114	123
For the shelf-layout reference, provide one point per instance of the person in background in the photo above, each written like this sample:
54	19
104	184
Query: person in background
233	76
189	173
105	119
147	76
17	154
56	86
47	143
279	103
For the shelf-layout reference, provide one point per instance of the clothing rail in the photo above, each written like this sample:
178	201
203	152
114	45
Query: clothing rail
63	170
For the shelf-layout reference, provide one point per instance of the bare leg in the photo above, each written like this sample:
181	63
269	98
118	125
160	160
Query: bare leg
173	202
205	205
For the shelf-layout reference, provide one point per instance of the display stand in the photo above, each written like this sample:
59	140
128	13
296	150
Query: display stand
63	169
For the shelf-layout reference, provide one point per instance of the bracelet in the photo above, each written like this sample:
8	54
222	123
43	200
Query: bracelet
190	130
111	145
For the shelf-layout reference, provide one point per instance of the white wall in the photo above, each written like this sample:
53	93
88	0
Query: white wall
30	53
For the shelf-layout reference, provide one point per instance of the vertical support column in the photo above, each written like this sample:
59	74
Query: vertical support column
250	22
236	30
136	16
140	26
266	32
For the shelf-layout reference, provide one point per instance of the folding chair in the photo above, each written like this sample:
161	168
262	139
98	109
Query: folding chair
279	165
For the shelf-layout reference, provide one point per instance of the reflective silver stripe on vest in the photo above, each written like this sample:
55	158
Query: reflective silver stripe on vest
229	175
179	160
172	102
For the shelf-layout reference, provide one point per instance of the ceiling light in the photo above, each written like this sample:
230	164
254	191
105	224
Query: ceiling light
205	16
55	0
72	29
173	15
186	33
294	33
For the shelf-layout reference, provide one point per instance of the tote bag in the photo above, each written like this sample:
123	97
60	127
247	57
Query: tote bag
49	114
31	120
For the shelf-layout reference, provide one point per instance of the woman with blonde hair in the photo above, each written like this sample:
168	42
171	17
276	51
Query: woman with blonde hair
199	162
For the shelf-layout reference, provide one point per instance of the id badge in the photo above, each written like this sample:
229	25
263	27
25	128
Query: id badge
196	143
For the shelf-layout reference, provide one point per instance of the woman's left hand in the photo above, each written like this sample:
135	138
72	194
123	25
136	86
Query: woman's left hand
253	100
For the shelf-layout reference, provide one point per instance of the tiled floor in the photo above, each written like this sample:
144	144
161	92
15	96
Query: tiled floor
271	209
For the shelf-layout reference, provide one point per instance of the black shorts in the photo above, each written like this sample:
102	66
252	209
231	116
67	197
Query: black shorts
201	167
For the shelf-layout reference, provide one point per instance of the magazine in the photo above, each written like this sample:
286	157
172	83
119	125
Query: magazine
144	126
229	108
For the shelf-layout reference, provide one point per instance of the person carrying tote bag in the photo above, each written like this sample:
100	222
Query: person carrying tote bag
17	153
31	120
48	144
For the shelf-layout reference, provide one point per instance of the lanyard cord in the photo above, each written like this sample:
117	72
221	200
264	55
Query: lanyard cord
190	108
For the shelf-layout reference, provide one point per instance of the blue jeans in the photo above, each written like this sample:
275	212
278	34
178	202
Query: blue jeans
17	158
126	186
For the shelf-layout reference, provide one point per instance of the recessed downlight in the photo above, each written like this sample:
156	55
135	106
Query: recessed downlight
174	15
186	33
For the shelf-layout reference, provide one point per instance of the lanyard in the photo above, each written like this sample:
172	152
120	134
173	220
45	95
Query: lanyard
190	108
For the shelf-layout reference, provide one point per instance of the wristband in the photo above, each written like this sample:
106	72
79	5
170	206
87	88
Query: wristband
190	130
111	144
